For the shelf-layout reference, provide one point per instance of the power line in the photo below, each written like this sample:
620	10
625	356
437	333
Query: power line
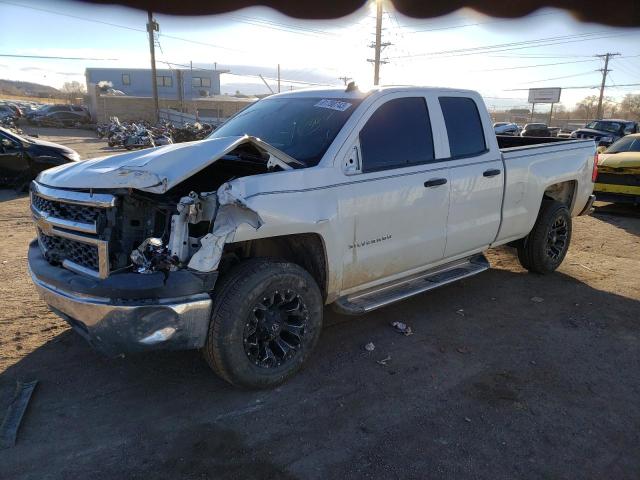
56	57
46	10
302	82
532	66
77	17
541	42
590	72
574	87
271	24
451	27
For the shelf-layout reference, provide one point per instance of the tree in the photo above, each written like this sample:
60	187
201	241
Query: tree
630	106
587	108
73	90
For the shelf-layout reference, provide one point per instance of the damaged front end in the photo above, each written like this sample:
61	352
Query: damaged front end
203	223
133	268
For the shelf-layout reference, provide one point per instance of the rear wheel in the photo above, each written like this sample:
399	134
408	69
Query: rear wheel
544	249
266	320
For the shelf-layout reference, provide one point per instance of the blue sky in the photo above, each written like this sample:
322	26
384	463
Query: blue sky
253	41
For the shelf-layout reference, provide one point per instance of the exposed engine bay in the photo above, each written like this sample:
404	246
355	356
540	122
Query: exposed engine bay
189	225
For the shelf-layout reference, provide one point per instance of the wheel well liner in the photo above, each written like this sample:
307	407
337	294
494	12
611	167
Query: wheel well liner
562	192
304	249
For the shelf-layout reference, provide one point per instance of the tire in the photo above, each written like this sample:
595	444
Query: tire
544	249
249	299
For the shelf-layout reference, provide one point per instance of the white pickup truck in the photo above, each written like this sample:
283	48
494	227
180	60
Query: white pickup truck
234	244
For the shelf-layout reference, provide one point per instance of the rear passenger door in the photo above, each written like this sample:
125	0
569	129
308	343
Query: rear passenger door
395	207
477	177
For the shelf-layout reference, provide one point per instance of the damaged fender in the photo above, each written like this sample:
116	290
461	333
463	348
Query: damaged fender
232	212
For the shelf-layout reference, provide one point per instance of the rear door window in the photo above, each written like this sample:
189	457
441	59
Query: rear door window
464	126
398	134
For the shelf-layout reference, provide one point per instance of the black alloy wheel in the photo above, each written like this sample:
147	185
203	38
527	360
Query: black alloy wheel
275	329
557	238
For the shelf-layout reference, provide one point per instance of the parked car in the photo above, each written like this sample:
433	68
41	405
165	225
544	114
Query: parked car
7	112
72	112
15	108
554	131
535	130
619	171
61	119
234	244
506	128
22	158
605	132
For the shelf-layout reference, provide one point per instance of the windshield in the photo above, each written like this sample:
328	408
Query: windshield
301	127
625	144
612	127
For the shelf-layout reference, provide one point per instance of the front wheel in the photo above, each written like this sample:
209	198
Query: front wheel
266	321
544	249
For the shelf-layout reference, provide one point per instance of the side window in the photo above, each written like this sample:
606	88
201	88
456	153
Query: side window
164	81
629	128
464	126
397	134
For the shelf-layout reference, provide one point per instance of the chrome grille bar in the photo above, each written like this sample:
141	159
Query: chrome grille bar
77	231
103	200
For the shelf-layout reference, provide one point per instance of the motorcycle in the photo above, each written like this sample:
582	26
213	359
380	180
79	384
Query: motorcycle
140	138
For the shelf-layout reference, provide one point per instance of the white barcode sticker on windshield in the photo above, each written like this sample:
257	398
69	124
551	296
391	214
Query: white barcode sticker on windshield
333	104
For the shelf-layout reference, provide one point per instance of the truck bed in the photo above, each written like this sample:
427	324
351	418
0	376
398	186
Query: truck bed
510	141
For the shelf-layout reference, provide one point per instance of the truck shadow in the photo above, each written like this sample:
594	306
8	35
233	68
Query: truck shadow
485	367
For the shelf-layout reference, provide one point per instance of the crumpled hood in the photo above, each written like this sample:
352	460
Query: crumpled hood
154	170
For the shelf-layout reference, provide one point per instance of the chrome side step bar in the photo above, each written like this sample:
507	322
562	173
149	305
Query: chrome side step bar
376	297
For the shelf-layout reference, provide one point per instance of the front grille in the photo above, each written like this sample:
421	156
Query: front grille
74	228
58	249
589	135
66	211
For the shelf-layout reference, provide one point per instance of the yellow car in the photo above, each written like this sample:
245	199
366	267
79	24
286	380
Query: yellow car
618	177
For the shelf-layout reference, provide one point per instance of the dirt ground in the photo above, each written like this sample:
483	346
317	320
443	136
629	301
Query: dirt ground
492	385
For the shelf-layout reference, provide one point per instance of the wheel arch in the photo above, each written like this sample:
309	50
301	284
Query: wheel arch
563	192
304	249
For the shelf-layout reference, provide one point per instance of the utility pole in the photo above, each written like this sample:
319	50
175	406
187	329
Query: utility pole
378	45
152	26
604	71
278	78
345	79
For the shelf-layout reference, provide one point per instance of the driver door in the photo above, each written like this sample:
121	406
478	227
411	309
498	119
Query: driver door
13	165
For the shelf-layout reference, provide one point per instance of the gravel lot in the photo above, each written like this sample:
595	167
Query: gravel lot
491	385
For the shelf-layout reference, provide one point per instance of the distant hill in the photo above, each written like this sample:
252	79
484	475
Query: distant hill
27	89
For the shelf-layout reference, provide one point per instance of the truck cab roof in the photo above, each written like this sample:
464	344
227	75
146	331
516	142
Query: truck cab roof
342	92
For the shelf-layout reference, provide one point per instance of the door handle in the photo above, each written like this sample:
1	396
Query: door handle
492	173
434	182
